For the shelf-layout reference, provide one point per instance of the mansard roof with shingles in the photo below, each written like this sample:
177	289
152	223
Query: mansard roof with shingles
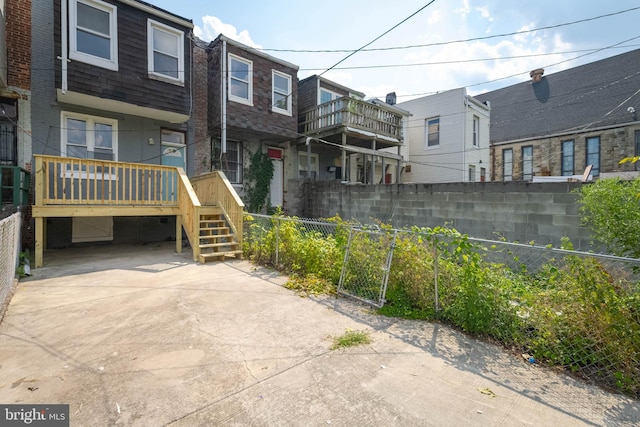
590	96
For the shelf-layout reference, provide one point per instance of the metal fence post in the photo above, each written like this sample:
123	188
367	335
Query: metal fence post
277	242
435	272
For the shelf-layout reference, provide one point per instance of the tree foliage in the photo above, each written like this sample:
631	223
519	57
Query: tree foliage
611	209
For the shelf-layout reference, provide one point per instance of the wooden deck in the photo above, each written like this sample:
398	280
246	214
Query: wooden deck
69	187
352	115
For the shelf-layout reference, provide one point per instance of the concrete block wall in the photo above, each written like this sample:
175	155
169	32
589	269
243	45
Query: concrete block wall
515	211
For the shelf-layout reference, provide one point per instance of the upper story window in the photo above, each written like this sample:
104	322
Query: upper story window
281	93
476	131
93	33
593	154
507	164
165	52
432	132
527	163
567	163
240	81
89	137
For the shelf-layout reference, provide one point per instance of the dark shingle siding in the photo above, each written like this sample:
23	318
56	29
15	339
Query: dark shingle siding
580	97
130	83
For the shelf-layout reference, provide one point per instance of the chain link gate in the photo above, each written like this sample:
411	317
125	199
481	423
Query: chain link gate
367	262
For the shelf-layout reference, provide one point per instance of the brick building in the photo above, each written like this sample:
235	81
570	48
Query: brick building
558	124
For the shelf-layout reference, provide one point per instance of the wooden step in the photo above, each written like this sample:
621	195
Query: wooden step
231	237
214	229
212	221
217	245
203	258
210	210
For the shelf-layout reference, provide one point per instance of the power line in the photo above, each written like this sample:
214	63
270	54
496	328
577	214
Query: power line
363	49
377	38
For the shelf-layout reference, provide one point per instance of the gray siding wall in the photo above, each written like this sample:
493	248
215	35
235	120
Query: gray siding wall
522	212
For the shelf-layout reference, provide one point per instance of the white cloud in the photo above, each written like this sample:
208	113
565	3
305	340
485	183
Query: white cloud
464	10
213	27
434	18
484	12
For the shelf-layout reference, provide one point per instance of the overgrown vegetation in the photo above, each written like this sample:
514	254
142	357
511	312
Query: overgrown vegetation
611	209
567	310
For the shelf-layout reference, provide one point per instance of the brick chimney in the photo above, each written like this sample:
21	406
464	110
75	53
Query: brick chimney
536	75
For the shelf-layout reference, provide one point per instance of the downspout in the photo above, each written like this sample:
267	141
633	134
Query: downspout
65	43
223	135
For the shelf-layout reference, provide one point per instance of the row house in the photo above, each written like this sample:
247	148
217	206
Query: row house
253	106
345	137
558	124
448	138
15	102
112	131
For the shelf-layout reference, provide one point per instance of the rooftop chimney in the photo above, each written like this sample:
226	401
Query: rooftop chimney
391	98
536	75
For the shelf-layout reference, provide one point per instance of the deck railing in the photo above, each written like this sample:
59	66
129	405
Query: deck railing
189	206
215	189
71	181
353	113
14	185
120	188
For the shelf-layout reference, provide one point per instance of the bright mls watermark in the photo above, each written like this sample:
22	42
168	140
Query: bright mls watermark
34	415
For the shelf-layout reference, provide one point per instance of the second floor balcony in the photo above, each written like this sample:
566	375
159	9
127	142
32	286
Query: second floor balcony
359	120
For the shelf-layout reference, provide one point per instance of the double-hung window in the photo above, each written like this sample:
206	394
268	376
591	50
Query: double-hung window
432	132
230	162
593	154
89	137
308	165
93	33
476	131
567	164
527	163
240	80
281	92
507	164
165	52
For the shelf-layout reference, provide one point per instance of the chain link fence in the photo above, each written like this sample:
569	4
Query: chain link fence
577	310
9	251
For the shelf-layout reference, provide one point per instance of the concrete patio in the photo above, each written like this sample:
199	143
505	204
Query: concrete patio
142	336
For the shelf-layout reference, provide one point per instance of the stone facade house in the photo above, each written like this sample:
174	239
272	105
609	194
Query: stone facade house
557	124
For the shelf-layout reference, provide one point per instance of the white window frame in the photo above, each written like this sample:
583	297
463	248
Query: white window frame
74	53
302	165
507	167
476	131
426	133
288	95
90	138
154	25
235	98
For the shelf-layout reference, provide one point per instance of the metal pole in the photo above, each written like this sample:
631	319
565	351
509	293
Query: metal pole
435	272
277	243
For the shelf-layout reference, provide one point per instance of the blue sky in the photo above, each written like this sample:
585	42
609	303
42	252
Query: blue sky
351	24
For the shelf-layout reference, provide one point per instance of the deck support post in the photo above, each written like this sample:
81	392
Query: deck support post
179	234
39	241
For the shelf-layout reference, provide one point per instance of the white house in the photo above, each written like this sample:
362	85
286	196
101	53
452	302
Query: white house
448	138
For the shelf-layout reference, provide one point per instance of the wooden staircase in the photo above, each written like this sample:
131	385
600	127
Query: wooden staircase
217	239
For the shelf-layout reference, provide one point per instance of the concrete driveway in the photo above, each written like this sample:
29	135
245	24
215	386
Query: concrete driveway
141	336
